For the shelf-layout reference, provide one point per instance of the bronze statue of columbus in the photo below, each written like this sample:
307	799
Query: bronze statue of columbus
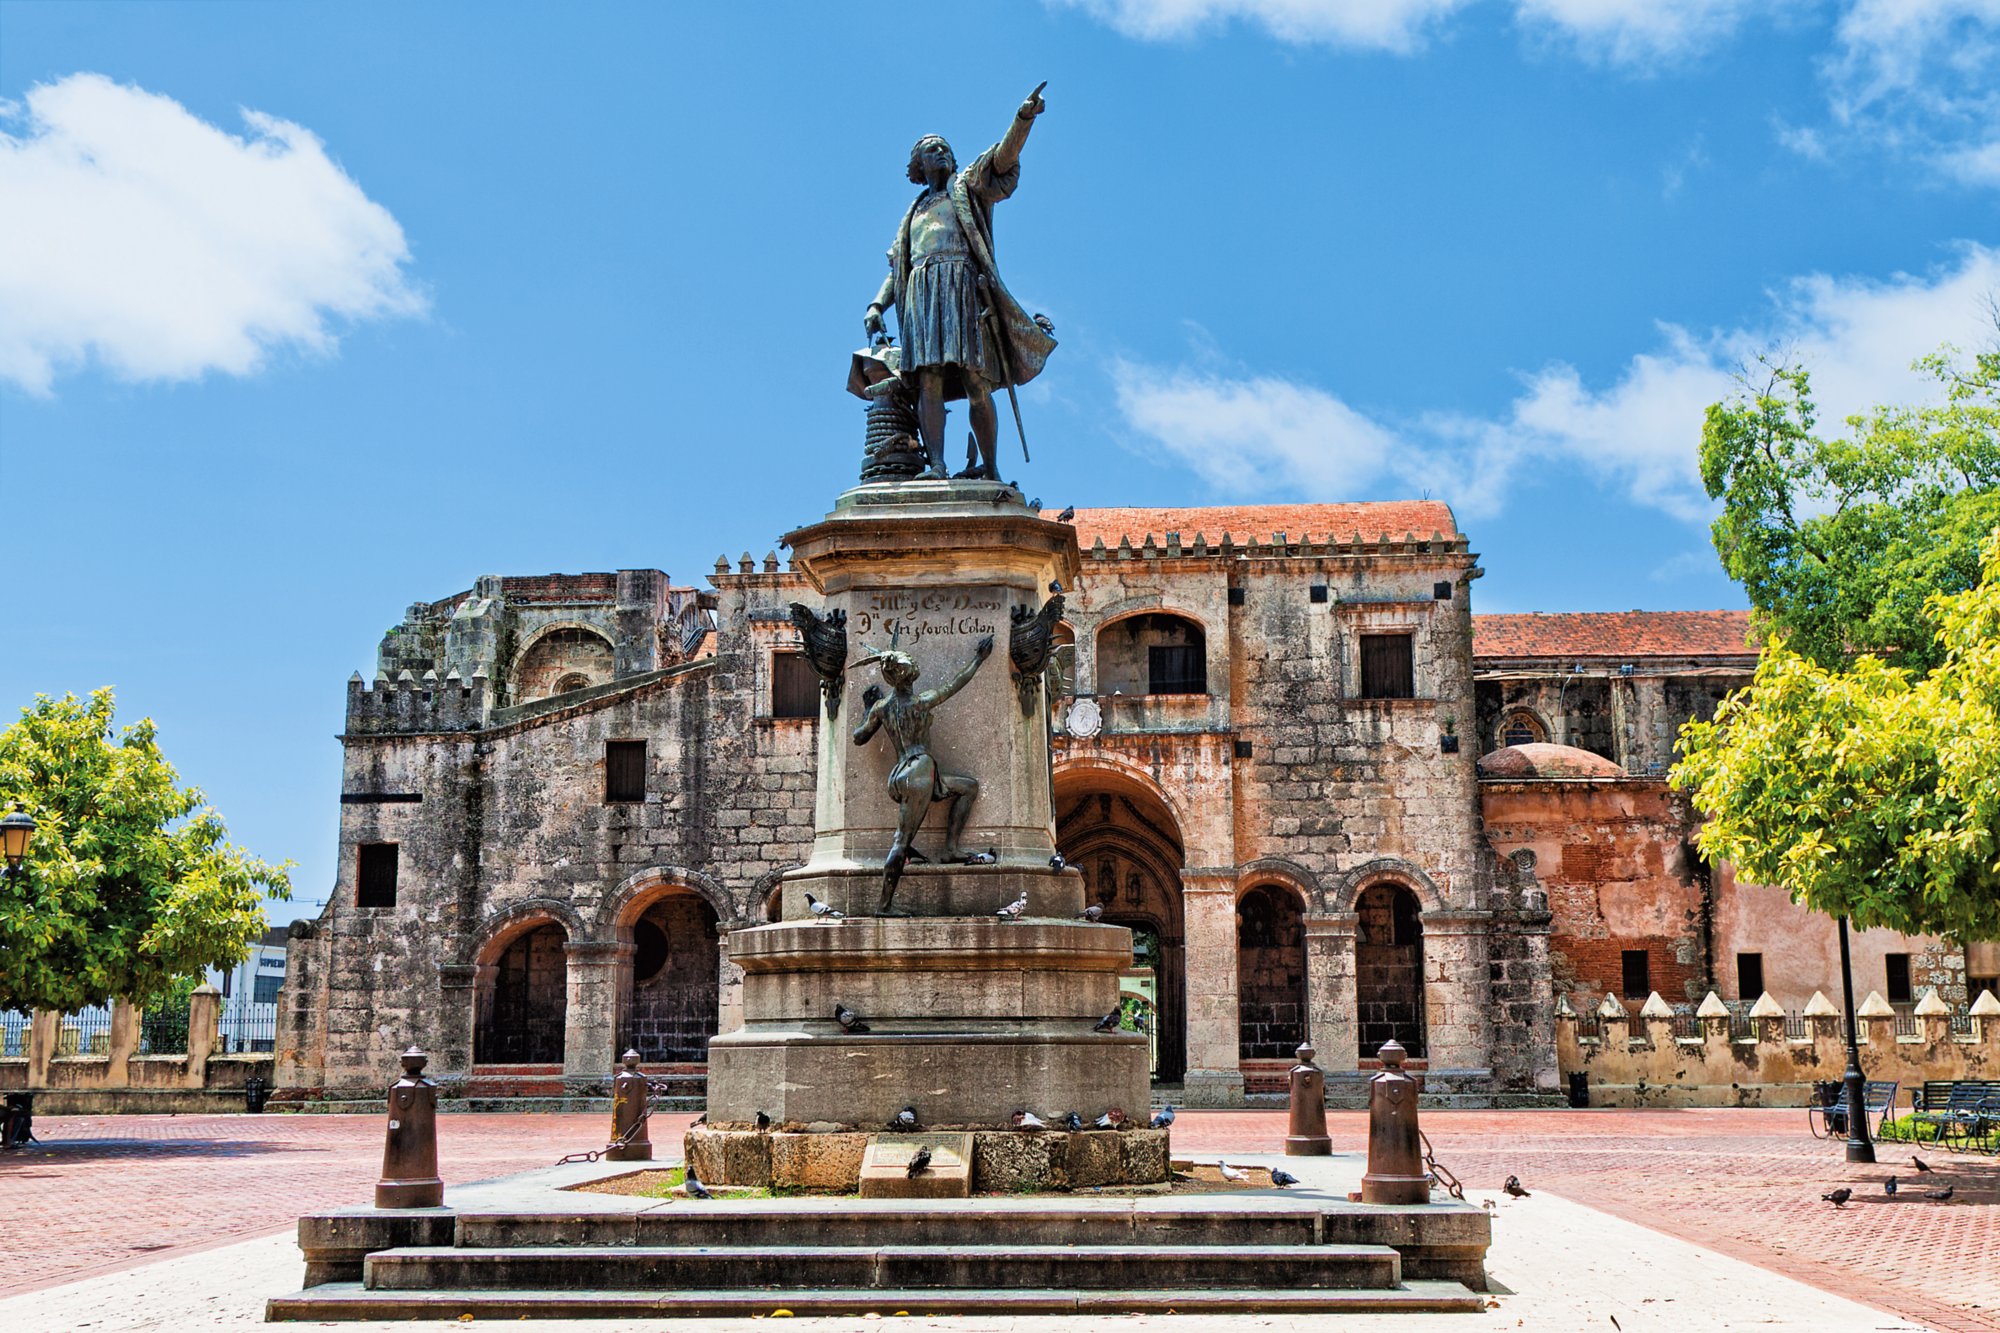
963	333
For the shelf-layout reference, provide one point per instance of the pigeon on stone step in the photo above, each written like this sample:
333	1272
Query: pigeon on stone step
1162	1119
1057	862
849	1020
1231	1173
1943	1195
1889	1187
905	1121
1108	1023
696	1190
1282	1178
1513	1188
1068	515
1838	1198
701	1119
763	1123
1093	913
1112	1119
920	1163
824	911
1029	1120
1012	911
980	858
1922	1166
1073	1123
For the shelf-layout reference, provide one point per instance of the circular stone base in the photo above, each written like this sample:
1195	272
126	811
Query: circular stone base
1003	1161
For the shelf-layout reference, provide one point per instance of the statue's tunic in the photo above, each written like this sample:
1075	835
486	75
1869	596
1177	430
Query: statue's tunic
942	250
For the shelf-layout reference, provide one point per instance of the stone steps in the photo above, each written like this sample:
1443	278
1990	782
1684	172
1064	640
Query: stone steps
952	1268
351	1301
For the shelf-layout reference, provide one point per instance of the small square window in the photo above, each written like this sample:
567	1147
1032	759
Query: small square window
1243	749
1236	596
375	874
794	687
624	771
1897	965
1638	971
1388	667
1318	592
1749	975
1441	591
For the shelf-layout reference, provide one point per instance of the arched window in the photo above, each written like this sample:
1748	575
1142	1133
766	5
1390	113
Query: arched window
1156	653
1521	727
560	661
1389	970
573	681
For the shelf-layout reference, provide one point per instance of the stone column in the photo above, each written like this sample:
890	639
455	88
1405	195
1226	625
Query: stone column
204	1029
590	1016
1208	907
729	988
44	1029
1457	991
451	1035
1330	990
124	1043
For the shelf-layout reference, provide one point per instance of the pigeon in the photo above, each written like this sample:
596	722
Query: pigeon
1108	1023
824	911
763	1123
1164	1118
1838	1198
1513	1188
701	1119
1073	1122
1231	1173
697	1190
1112	1119
1093	913
1036	504
1922	1166
1889	1187
1029	1120
920	1163
1282	1178
1057	862
1055	585
1012	911
1943	1195
906	1119
1068	515
849	1020
980	858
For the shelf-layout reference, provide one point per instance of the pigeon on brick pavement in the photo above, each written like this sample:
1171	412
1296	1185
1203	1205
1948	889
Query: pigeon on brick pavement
1889	1187
1838	1198
1922	1166
1943	1195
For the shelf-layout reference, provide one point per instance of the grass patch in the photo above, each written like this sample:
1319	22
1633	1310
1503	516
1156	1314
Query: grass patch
1908	1129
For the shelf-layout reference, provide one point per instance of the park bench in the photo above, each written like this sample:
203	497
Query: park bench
1827	1115
1964	1111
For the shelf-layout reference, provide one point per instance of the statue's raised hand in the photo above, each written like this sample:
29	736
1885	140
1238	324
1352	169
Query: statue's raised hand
1034	106
984	648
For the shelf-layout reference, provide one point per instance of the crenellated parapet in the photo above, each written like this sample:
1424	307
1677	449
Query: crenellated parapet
409	706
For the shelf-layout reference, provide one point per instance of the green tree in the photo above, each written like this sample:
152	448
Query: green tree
130	885
1870	792
1840	543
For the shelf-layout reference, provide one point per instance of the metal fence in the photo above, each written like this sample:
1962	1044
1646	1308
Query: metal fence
13	1033
86	1032
247	1026
163	1030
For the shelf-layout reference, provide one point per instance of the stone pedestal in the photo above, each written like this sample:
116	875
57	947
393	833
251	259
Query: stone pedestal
970	1018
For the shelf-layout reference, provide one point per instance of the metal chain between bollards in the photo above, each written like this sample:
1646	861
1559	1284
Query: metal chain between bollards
653	1087
1439	1173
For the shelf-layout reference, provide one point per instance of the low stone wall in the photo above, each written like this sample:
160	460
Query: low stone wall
1638	1061
122	1082
1003	1161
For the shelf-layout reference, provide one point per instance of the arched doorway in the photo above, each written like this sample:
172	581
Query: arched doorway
1388	970
670	1001
1270	974
1121	835
522	999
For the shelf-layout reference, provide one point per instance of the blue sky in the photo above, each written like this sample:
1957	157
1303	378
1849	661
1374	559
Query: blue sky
311	311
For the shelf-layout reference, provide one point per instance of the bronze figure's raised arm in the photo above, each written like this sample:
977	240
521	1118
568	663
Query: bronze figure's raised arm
916	780
963	333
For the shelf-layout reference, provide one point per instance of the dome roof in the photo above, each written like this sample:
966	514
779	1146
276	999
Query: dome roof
1541	760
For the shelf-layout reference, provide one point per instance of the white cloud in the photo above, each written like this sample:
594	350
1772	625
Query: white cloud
1255	435
1638	32
136	233
1977	164
1389	25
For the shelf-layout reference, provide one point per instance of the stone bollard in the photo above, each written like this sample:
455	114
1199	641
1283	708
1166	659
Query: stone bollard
410	1153
1308	1137
1395	1153
630	1098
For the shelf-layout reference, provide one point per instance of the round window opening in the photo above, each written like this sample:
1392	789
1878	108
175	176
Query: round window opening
649	955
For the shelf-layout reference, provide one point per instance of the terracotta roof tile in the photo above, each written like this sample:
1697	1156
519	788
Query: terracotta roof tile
1299	522
1613	634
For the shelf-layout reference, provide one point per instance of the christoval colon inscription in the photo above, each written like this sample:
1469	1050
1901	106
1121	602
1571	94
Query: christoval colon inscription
909	618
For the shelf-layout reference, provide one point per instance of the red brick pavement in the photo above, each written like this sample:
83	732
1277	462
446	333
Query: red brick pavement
110	1192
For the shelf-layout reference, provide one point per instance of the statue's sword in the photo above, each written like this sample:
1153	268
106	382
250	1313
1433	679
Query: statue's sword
987	317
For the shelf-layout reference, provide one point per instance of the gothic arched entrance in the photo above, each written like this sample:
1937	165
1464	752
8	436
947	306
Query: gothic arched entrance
522	999
1388	970
1126	842
1270	974
670	995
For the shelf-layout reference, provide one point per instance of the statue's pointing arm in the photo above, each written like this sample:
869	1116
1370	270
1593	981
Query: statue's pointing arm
980	653
1007	154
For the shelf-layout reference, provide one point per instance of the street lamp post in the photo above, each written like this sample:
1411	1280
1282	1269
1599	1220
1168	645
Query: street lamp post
17	828
1860	1148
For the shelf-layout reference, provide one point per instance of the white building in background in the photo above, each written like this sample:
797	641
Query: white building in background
250	995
